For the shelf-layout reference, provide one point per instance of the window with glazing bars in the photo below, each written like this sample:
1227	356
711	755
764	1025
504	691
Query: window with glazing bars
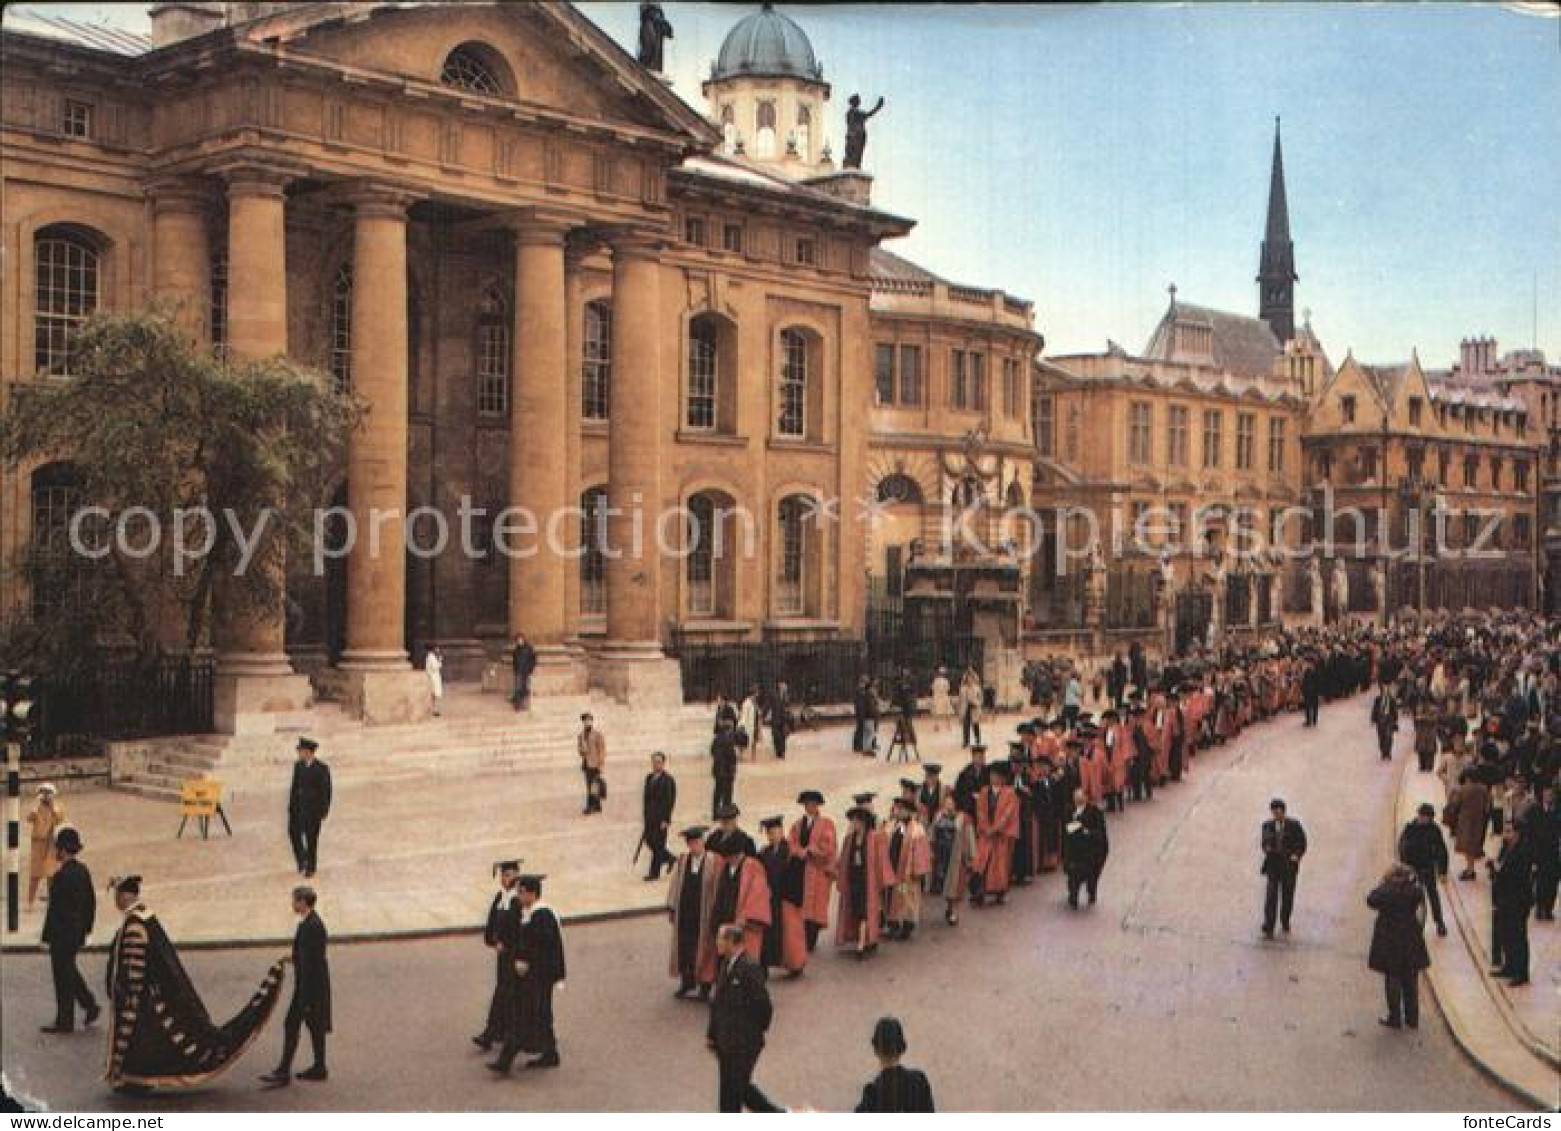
701	556
794	383
593	557
66	295
596	380
493	355
341	330
702	363
789	592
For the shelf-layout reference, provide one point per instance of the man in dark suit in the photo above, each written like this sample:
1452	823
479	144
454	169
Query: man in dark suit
311	1005
1512	898
661	796
66	925
308	803
723	768
740	1013
1085	847
781	721
1384	717
1284	843
1311	692
523	661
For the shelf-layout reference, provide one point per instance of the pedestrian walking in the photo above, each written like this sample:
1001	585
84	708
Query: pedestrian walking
1398	950
592	748
690	901
952	839
1283	842
1427	722
66	926
1512	898
942	701
497	938
1085	847
1422	847
782	723
523	661
44	821
659	799
1465	814
1072	700
311	1004
895	1088
308	804
812	837
971	700
740	1015
539	970
1545	836
433	667
723	769
1384	718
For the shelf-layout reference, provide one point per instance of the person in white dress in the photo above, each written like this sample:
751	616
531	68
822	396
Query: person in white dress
749	719
942	701
433	665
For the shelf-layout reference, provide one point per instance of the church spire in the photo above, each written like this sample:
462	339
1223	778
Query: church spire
1276	271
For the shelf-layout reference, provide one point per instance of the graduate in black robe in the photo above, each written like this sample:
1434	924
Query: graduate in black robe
160	1035
1025	860
785	943
539	967
497	937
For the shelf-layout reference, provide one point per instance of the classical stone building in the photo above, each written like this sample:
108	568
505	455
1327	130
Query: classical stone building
555	285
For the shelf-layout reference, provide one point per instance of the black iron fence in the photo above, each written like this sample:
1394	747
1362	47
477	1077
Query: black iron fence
1238	600
1130	599
78	713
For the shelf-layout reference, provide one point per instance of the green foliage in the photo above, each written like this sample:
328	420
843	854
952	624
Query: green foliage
152	420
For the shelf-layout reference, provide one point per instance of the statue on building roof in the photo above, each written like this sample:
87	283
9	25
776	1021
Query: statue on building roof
655	30
856	131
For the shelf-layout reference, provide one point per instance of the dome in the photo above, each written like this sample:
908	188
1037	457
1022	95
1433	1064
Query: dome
767	44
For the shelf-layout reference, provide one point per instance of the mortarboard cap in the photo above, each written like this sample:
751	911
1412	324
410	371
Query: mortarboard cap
932	769
907	783
306	743
863	798
1002	769
126	885
728	812
812	796
772	822
530	882
694	832
506	866
1277	803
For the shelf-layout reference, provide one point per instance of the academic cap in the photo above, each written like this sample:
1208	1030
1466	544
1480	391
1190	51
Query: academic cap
1277	803
810	795
857	813
932	769
307	744
126	885
530	883
1427	810
505	866
694	832
728	812
863	798
907	783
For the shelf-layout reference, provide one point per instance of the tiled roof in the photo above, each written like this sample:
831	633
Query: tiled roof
896	268
1241	344
93	37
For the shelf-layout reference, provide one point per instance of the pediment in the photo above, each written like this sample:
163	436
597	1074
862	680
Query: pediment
546	56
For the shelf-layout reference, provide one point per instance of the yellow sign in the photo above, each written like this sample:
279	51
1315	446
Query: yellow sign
201	798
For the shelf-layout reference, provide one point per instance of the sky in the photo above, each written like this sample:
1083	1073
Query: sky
1085	157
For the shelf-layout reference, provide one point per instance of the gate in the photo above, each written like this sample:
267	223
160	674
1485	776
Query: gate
1194	611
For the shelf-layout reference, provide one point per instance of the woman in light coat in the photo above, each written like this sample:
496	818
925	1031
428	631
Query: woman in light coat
942	701
1466	813
44	820
951	841
433	665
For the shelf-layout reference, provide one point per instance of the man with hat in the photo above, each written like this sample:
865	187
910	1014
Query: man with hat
929	798
909	861
308	804
997	827
592	748
742	891
690	900
1284	843
863	872
1422	846
539	967
66	925
723	767
1117	747
785	942
972	779
812	837
44	821
1140	748
1046	809
1092	765
497	937
726	839
1085	846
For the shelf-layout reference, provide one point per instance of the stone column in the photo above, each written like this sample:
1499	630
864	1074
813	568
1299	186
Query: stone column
539	483
181	271
574	359
254	681
381	685
631	665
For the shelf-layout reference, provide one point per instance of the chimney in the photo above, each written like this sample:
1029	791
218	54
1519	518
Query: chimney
175	22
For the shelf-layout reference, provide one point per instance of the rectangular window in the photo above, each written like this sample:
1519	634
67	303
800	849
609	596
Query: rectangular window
1415	457
1046	425
1520	532
910	376
1347	405
1443	461
1276	445
1324	466
1010	387
957	391
1176	435
1520	475
1140	422
1368	463
694	230
1414	412
1213	429
978	381
794	384
76	119
805	252
883	374
493	367
1495	474
1246	426
789	599
1471	471
732	238
596	379
701	376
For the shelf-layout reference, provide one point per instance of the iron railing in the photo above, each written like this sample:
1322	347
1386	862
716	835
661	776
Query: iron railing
78	713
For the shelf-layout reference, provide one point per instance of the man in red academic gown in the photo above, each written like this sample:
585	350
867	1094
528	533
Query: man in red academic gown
1159	731
997	827
812	837
862	872
785	944
1092	764
742	894
1118	744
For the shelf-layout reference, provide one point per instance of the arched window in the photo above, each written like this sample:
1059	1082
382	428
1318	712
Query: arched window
798	558
712	551
218	290
66	277
701	549
596	378
728	130
764	132
341	329
593	552
477	68
493	354
798	350
804	132
899	488
56	567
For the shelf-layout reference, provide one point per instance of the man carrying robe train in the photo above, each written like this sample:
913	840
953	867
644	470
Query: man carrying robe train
785	942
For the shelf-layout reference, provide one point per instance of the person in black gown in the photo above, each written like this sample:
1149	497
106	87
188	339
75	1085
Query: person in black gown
895	1088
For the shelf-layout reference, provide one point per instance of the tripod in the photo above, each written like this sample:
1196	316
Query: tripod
904	741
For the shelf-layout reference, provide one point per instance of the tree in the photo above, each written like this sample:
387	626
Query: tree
161	432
